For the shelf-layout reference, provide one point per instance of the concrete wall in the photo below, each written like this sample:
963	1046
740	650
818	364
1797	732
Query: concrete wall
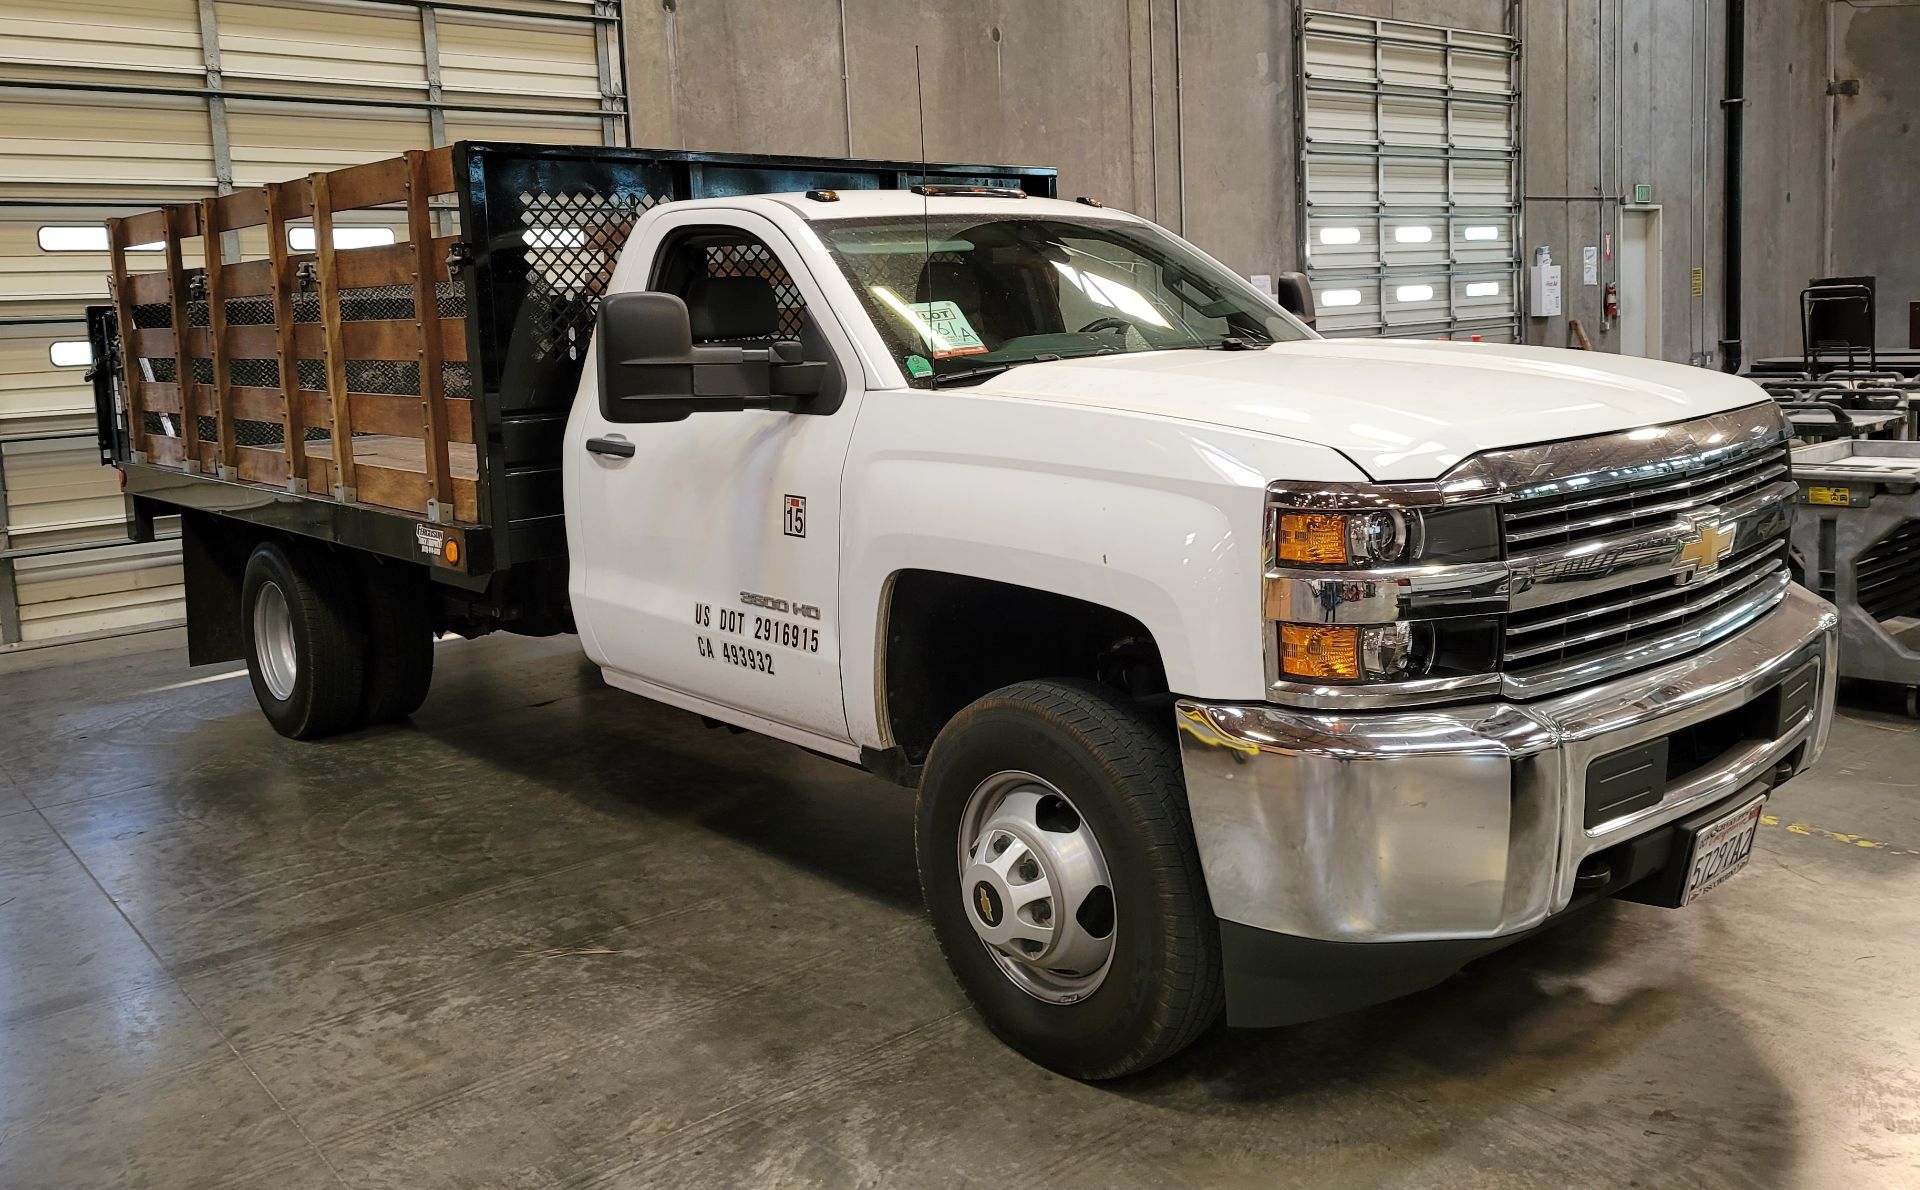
1784	211
1146	102
1618	94
1876	156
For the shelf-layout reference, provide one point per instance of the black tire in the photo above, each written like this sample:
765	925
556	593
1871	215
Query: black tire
327	643
396	607
1121	770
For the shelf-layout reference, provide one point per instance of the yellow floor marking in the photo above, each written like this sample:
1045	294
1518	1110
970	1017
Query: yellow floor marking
1801	828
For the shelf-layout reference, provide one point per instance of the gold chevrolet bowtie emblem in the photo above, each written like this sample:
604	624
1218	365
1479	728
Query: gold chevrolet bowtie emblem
1701	551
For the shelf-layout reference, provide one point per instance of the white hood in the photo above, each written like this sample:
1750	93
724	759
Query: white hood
1401	410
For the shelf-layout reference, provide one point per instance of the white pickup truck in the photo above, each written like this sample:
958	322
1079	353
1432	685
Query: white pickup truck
1234	667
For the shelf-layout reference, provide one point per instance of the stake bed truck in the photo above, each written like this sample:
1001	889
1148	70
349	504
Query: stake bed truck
1235	668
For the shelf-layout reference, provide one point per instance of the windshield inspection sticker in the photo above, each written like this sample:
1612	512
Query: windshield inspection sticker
946	329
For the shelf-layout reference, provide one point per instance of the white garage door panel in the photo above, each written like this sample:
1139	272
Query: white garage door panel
276	141
133	39
1413	123
1410	175
562	130
36	282
1482	126
322	46
116	587
519	60
35	396
145	148
58	493
1341	118
1420	183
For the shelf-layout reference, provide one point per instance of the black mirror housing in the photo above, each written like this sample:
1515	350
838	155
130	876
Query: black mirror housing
650	370
1295	294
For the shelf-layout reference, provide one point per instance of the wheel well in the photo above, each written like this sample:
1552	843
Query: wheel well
951	638
214	553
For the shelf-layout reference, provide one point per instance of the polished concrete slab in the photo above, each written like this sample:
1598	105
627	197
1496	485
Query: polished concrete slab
550	934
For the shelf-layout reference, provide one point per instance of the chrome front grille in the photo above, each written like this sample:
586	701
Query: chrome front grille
1563	634
1635	610
1569	518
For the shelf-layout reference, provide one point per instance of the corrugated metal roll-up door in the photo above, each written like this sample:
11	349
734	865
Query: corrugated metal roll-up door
1409	178
121	105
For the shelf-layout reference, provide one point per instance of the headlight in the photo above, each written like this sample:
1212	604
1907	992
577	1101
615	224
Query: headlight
1406	596
1342	538
1381	536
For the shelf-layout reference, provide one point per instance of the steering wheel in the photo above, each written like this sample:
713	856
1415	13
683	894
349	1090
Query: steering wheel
1109	323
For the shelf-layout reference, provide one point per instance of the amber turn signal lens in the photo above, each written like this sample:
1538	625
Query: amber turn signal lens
1319	539
1320	651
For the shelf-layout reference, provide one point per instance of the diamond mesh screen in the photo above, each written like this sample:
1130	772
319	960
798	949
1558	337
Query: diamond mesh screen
751	258
573	241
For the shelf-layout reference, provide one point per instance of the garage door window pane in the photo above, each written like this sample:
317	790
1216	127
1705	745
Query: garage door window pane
83	237
71	353
302	239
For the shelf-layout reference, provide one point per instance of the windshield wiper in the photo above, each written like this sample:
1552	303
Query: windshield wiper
1239	343
981	372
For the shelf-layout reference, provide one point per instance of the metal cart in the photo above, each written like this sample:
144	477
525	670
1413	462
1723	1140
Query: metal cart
1857	542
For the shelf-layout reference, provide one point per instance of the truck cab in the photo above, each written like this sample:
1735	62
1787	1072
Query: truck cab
1231	667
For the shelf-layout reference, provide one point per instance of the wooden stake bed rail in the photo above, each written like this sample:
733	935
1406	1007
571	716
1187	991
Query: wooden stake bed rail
325	373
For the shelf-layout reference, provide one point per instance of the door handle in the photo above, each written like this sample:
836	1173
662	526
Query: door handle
618	447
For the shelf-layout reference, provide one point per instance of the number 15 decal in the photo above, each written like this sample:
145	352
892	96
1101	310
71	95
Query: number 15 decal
796	522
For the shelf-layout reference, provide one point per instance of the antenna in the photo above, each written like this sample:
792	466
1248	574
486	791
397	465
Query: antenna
926	216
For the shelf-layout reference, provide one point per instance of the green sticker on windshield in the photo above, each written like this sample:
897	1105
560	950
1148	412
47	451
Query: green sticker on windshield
917	366
945	329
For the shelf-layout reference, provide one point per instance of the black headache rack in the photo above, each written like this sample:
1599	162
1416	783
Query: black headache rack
539	230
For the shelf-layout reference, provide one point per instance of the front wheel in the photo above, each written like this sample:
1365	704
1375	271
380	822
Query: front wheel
1060	872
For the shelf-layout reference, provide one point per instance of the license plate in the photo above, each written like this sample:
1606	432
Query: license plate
1721	848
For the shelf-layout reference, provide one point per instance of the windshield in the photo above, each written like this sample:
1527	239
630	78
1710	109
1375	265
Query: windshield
961	298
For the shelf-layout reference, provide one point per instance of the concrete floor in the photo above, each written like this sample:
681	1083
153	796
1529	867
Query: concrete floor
548	933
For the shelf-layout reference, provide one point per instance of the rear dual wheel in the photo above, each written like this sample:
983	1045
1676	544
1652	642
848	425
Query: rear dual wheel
329	645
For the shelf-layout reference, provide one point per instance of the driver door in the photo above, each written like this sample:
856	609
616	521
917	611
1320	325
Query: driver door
707	562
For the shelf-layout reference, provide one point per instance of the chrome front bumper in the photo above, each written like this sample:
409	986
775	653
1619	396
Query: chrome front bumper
1466	822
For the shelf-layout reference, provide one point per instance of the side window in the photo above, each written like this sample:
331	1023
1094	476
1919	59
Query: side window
735	287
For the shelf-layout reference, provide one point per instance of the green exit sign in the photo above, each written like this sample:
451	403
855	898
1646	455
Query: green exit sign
1643	192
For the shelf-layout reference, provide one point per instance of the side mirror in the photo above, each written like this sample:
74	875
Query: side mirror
650	370
1295	293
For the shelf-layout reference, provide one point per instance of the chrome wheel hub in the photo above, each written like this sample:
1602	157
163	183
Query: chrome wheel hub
273	641
1036	887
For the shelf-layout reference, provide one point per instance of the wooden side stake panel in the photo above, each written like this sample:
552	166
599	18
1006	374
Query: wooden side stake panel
411	180
427	326
177	225
217	341
336	350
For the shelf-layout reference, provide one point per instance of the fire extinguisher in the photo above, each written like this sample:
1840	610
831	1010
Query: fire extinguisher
1612	308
